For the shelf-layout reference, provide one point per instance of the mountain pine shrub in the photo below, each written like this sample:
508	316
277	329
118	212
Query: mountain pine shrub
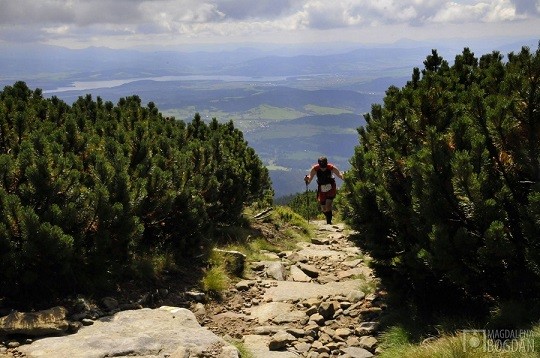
444	188
87	191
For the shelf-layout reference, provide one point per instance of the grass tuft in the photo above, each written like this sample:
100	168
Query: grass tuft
215	280
243	352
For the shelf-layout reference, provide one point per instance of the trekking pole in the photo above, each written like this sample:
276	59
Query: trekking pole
307	200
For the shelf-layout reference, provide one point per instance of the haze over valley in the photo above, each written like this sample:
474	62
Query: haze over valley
293	103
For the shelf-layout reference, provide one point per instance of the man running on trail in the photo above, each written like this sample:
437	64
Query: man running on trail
326	185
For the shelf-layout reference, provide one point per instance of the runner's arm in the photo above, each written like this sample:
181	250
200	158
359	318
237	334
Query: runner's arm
337	173
309	177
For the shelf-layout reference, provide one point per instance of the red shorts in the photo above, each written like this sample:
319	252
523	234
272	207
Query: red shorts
324	192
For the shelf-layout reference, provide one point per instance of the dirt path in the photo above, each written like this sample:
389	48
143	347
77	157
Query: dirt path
318	300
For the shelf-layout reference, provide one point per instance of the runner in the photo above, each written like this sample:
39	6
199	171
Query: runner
326	185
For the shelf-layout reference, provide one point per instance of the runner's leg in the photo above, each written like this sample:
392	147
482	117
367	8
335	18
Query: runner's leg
328	211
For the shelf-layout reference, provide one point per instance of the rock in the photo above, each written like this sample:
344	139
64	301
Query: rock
109	303
266	330
370	312
244	285
355	296
276	270
352	263
368	343
345	274
312	329
312	301
196	296
74	327
367	328
235	261
280	340
337	237
166	331
371	297
343	332
357	352
344	304
302	347
266	312
318	347
309	270
289	317
328	332
295	257
129	306
317	318
320	241
298	275
81	305
296	332
327	309
41	323
87	322
258	348
332	346
13	344
199	309
311	310
353	341
257	266
325	338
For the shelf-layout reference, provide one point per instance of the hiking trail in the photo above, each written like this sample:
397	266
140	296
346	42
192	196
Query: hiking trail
318	300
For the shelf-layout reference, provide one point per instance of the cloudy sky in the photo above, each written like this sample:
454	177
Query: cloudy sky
127	23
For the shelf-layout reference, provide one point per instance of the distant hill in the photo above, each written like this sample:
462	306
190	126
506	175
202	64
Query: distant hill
290	144
293	103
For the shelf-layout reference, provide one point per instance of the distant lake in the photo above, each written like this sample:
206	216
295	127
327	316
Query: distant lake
90	85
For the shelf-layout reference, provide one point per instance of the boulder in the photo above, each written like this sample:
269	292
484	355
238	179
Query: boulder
298	275
235	261
41	323
166	331
309	270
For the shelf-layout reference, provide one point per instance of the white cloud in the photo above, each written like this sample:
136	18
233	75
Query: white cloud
137	20
492	11
59	30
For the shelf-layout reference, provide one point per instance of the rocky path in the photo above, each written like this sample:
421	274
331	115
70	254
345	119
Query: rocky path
317	301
